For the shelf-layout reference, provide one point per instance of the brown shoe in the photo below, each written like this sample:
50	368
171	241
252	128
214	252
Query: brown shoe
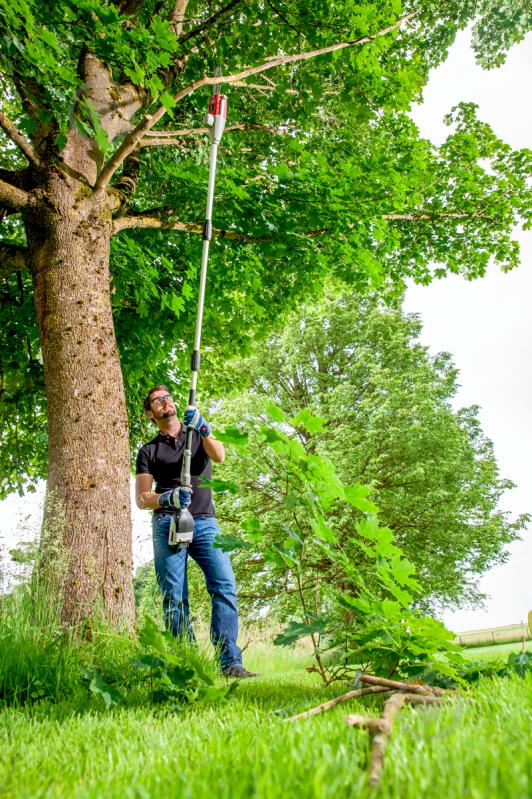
238	671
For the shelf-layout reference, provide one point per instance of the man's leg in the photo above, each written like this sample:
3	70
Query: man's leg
171	571
221	586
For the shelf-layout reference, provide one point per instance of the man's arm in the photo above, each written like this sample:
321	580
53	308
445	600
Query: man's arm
214	448
145	498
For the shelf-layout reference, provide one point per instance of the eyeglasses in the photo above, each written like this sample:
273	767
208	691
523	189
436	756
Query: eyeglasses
158	401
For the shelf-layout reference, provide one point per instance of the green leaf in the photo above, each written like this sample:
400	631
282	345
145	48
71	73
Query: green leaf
232	435
296	630
323	530
228	543
151	636
219	486
356	495
275	412
314	424
99	687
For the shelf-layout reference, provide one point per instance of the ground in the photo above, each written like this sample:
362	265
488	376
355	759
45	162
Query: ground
479	746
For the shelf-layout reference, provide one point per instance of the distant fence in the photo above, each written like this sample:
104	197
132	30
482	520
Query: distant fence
495	635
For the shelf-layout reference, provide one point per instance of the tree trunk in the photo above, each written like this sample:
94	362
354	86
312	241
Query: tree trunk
88	507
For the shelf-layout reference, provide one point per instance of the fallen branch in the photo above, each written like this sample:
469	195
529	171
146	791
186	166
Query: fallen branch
395	685
391	707
418	699
380	729
336	701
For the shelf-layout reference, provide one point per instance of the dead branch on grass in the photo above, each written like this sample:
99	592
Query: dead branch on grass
380	729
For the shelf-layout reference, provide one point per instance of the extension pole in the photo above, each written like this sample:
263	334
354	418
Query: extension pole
182	528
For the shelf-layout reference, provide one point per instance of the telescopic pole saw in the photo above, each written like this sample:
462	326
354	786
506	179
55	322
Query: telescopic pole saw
182	523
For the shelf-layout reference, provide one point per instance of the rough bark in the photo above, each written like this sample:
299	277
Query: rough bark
88	508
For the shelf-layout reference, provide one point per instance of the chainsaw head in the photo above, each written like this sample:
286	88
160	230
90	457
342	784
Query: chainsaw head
181	530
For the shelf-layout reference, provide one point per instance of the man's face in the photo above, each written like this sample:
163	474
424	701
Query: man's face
161	406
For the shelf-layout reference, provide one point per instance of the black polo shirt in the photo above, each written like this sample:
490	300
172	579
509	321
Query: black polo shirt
163	459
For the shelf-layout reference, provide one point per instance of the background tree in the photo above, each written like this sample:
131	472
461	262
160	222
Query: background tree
390	425
102	205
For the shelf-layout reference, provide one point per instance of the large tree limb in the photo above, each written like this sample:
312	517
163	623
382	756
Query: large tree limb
152	219
125	222
12	197
133	139
178	16
17	138
12	259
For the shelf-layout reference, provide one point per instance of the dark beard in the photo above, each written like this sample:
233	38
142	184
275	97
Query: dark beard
167	414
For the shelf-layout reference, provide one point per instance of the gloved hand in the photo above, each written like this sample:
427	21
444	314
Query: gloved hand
193	418
179	497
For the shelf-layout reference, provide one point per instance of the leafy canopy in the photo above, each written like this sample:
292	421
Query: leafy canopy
326	173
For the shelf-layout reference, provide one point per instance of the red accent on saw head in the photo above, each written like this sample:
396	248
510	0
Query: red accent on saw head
218	105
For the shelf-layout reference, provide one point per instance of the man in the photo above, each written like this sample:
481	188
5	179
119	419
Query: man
160	460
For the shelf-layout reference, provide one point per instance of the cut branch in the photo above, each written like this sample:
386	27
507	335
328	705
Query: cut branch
395	685
17	138
12	259
131	141
337	700
391	707
12	197
419	699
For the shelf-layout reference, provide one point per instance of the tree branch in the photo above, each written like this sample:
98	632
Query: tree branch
281	16
128	222
133	139
178	16
418	216
128	180
210	21
161	138
12	259
12	197
355	694
17	138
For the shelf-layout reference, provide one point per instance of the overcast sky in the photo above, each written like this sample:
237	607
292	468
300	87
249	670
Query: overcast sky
485	324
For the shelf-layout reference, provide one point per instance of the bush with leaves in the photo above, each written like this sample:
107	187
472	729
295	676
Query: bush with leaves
353	591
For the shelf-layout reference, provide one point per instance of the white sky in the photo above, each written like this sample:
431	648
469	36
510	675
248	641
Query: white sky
485	324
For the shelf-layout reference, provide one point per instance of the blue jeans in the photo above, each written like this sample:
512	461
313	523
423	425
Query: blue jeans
171	571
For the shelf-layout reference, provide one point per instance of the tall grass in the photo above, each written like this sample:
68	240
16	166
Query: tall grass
41	659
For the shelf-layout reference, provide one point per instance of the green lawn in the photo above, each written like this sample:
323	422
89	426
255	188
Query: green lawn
478	746
496	652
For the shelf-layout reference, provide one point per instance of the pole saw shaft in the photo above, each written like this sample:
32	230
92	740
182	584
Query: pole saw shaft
182	527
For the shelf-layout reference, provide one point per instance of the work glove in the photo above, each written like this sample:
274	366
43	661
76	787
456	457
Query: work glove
194	419
179	497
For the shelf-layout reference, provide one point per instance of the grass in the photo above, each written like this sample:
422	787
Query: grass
478	746
496	652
